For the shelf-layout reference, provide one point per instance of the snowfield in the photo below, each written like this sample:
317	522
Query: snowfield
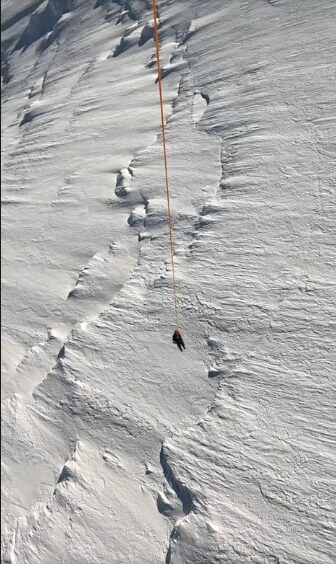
116	447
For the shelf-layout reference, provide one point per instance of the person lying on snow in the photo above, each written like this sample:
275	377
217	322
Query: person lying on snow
177	338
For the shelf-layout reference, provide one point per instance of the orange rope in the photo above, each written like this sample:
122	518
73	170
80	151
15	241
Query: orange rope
170	222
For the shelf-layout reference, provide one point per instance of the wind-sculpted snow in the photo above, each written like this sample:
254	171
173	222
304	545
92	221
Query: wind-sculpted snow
117	448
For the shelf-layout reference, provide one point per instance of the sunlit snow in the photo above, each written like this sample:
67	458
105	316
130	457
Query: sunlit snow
116	447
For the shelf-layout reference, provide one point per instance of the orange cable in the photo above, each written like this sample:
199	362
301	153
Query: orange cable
170	222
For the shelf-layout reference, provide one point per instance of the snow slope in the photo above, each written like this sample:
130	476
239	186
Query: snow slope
117	448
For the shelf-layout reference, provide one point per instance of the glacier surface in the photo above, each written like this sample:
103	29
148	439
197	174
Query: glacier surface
117	448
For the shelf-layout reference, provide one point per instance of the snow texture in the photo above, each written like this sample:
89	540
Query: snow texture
116	447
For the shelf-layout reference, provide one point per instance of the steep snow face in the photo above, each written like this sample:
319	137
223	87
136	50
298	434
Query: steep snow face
117	448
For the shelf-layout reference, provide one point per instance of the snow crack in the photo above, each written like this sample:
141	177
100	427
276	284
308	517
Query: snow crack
182	492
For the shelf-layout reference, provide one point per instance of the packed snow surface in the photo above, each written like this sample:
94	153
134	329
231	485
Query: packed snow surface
116	447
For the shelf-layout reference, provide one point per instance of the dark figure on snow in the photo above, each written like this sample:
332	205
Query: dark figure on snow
177	338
